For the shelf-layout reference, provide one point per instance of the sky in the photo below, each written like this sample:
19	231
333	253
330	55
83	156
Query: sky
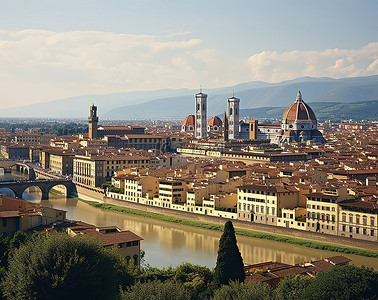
56	49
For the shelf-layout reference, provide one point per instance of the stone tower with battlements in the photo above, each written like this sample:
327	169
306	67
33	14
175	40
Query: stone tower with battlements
92	122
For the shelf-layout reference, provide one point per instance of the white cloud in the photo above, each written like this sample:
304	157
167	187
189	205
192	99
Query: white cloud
39	65
273	66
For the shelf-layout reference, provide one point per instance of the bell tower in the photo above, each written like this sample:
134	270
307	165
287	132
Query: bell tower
92	122
233	117
200	129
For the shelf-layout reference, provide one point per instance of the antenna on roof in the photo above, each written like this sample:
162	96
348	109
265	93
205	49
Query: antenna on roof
200	88
233	93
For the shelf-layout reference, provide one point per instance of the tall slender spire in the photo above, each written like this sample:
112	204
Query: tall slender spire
299	96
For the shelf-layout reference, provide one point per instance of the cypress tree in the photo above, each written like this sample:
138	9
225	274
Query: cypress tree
229	265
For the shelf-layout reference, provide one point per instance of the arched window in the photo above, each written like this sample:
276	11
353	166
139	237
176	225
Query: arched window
343	217
350	218
136	260
364	220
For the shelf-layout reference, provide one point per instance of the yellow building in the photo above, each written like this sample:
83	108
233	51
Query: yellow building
293	218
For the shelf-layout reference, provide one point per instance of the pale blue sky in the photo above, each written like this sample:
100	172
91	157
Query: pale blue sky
54	49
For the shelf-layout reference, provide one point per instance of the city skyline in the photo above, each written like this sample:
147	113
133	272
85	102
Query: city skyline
56	50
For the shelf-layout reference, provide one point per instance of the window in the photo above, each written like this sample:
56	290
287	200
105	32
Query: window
343	218
372	221
357	219
364	220
344	227
350	218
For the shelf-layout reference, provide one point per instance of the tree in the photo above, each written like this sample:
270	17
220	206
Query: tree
244	291
229	261
64	267
196	278
344	282
18	239
291	287
157	290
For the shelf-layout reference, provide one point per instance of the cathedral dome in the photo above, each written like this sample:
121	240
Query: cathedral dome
298	111
189	121
215	121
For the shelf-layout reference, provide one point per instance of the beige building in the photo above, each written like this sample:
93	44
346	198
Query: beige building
61	162
264	203
172	192
32	138
323	209
126	242
359	220
96	170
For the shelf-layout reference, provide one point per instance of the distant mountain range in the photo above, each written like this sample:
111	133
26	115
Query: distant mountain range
326	96
362	110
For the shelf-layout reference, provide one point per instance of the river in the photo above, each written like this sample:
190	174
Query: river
168	244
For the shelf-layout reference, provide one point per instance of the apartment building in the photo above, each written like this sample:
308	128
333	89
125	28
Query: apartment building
172	192
359	219
323	209
263	203
96	170
12	151
61	162
32	138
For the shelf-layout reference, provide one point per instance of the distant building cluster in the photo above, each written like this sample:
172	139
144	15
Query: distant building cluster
298	123
283	175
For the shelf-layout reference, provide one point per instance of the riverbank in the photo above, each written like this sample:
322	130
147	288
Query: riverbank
239	229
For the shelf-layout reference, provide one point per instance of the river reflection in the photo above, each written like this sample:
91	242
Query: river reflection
171	244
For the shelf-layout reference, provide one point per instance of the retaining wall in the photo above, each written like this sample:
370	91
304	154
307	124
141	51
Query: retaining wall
289	232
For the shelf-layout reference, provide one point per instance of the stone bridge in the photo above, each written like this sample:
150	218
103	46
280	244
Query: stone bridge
19	186
10	165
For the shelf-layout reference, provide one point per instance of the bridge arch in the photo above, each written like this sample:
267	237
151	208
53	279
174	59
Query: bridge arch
19	187
31	192
59	188
7	191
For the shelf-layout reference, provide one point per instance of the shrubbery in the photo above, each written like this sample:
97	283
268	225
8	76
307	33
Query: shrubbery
64	267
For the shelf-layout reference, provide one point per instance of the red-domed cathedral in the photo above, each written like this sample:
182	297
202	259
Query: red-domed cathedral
299	124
